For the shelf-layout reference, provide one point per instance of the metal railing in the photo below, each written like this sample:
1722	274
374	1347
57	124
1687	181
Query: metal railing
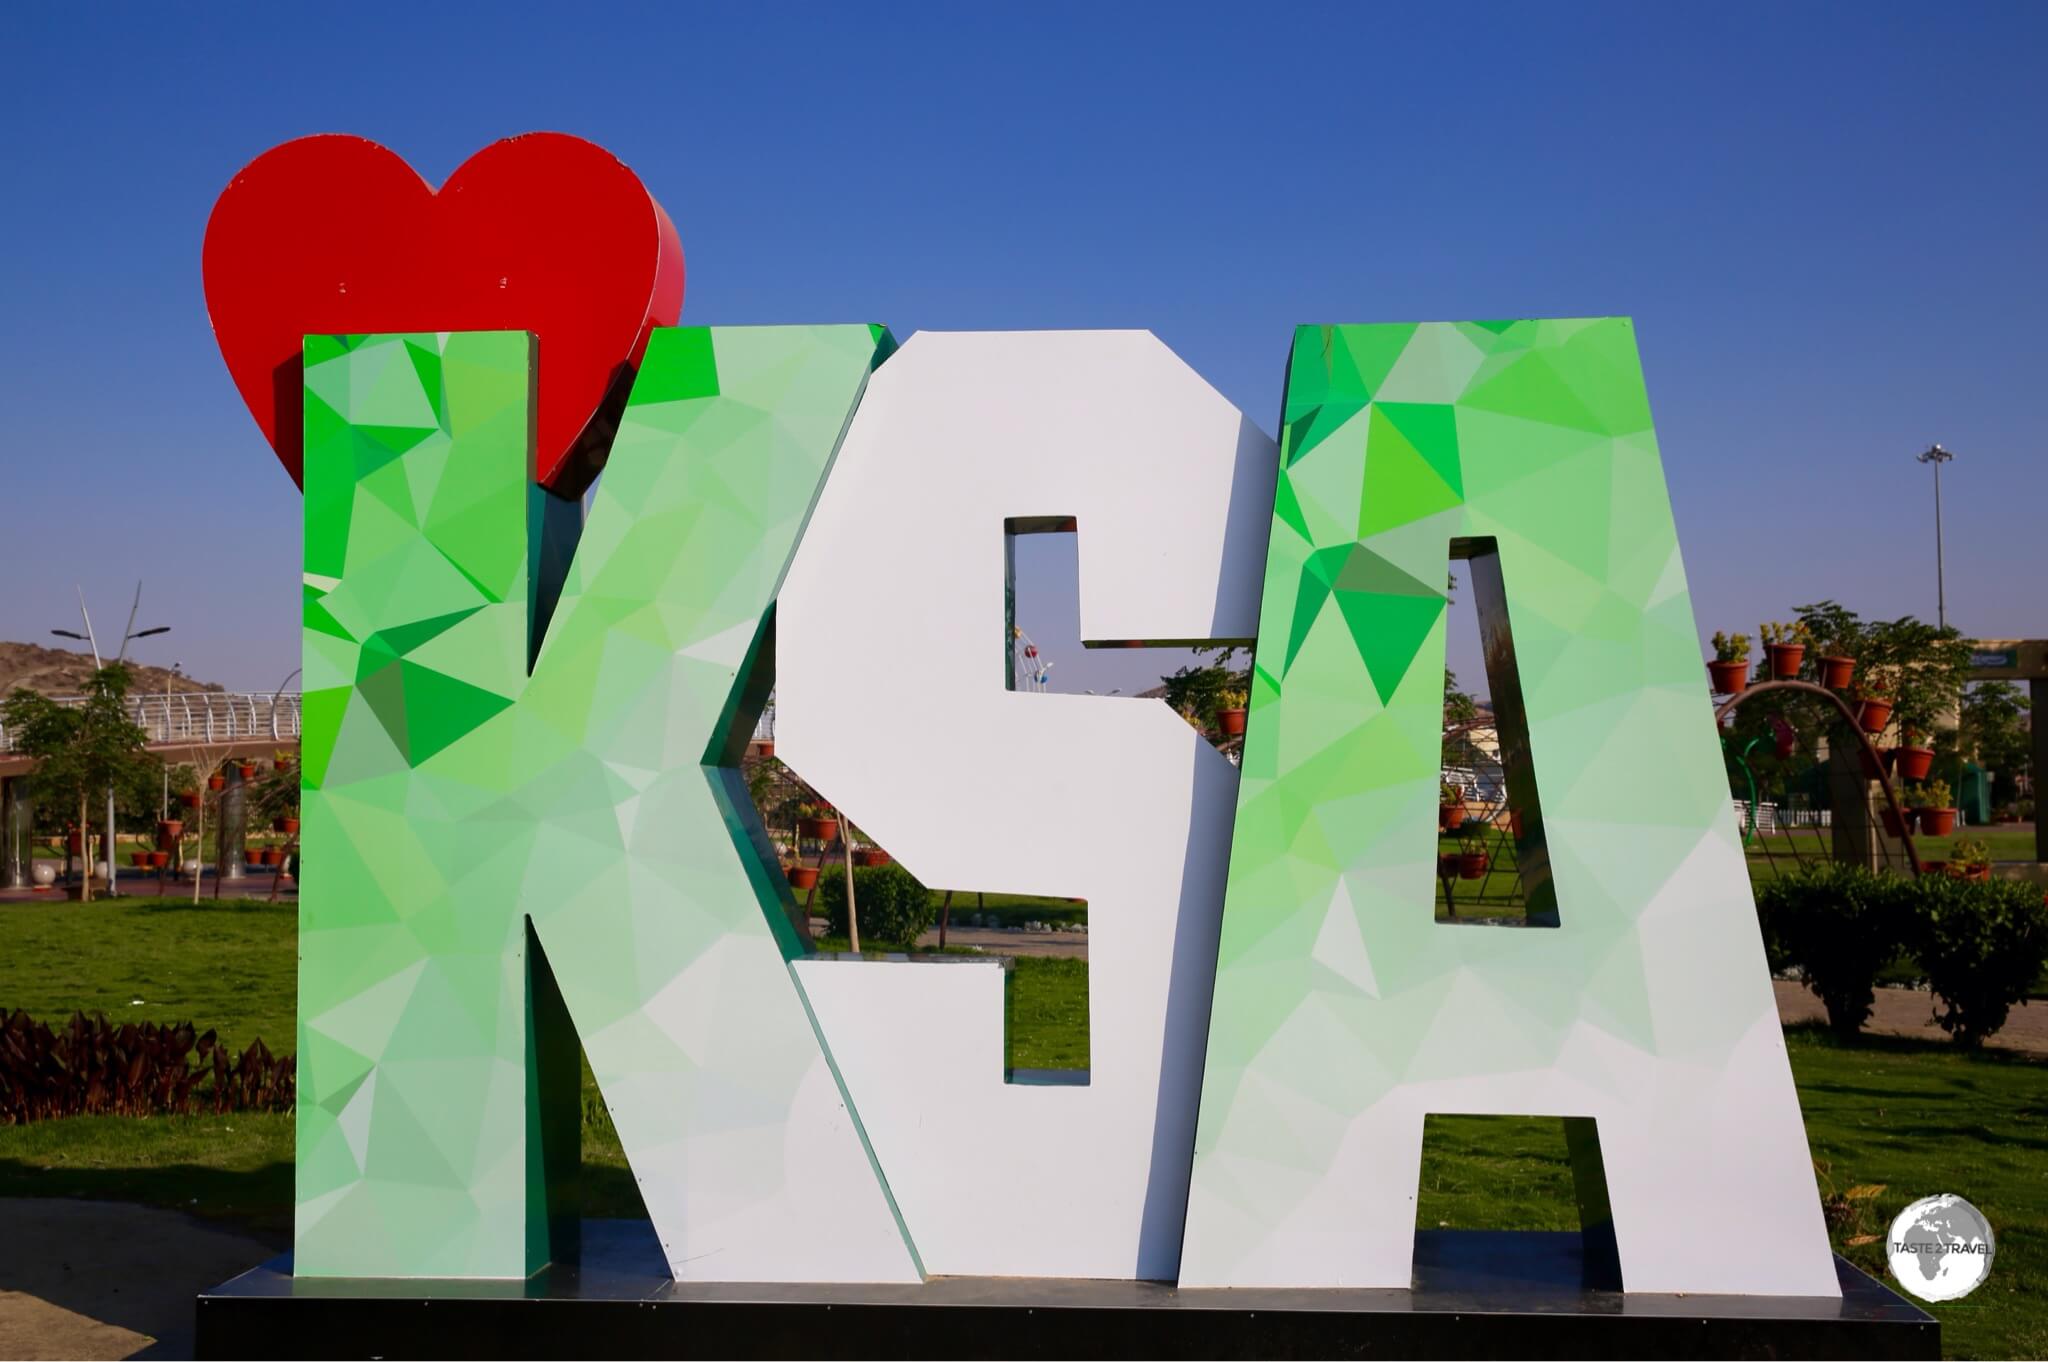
203	717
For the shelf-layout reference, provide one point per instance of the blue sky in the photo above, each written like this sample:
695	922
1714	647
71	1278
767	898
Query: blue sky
1827	221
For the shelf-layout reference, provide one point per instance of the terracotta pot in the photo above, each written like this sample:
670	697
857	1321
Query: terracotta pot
766	747
1966	872
1874	715
1448	816
1934	867
288	826
803	877
159	859
870	856
189	798
273	855
1913	763
1729	678
1447	865
1784	742
139	859
168	832
1937	822
1894	821
216	782
823	829
74	842
1836	672
253	855
1231	721
1785	660
246	769
1471	865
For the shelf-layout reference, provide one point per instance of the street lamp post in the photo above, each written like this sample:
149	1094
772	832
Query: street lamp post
1938	456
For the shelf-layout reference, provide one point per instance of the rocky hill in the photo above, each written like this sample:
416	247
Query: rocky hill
58	671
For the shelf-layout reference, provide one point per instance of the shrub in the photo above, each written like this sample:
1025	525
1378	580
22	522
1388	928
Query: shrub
1841	924
895	909
95	1068
1982	944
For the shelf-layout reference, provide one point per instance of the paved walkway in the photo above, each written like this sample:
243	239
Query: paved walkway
1910	1012
106	1279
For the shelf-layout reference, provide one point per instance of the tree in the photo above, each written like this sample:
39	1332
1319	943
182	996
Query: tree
81	750
1927	667
1995	718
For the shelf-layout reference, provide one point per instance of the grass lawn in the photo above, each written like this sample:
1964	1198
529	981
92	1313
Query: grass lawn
1916	1117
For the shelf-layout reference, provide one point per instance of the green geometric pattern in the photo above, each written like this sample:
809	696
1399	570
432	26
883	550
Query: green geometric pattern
491	853
1343	1012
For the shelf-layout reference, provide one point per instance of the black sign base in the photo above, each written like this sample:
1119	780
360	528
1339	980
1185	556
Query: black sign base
1475	1294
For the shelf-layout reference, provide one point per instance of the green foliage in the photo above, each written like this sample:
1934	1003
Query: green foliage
275	793
1994	732
1459	708
1794	631
82	750
1835	630
895	909
1969	854
1731	647
1983	944
1197	692
1927	669
1841	925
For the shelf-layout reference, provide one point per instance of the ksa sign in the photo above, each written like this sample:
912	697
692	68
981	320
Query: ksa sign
524	823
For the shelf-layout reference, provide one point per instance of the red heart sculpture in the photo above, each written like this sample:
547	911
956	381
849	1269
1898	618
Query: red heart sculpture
545	233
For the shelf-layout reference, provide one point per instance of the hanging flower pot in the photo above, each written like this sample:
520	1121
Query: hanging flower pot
216	781
1937	822
1785	659
1729	678
139	859
823	829
1472	865
159	859
1893	820
189	798
246	769
1913	763
1874	714
1231	721
1447	865
1784	742
1836	672
273	856
766	747
75	842
253	855
288	826
870	856
803	877
168	832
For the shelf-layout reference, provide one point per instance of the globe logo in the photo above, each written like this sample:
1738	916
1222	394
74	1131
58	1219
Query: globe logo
1940	1248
